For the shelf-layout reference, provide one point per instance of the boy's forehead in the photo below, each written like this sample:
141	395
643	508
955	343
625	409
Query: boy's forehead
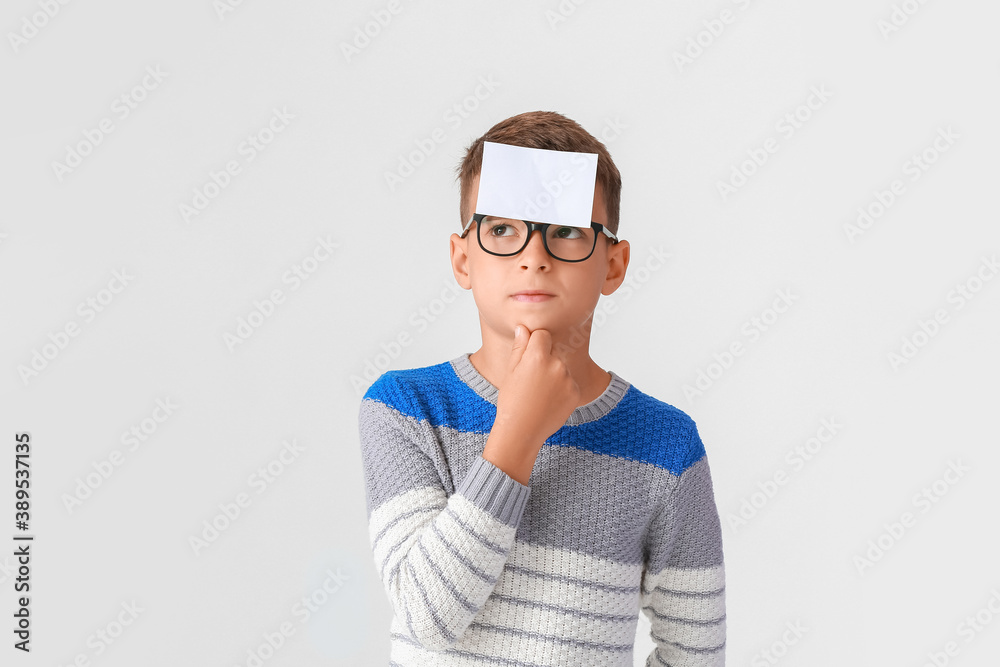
537	184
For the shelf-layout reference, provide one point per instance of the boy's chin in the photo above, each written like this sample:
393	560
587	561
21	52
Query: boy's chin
535	323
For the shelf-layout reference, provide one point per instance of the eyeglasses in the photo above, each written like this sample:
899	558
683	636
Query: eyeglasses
505	237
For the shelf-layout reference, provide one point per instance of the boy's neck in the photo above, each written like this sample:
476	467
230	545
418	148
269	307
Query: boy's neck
592	379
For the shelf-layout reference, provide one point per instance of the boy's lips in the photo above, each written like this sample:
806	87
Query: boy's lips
532	295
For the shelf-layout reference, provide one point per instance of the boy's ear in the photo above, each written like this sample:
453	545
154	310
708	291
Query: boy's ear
458	247
618	255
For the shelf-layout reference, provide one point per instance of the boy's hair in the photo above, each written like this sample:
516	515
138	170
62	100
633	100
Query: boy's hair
552	131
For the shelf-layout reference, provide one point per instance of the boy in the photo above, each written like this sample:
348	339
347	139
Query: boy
523	503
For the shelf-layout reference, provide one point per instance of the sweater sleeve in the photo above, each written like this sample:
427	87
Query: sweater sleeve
683	580
438	557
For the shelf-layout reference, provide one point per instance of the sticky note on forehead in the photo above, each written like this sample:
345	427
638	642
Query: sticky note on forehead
537	184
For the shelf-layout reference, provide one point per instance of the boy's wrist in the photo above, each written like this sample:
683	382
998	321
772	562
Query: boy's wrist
513	454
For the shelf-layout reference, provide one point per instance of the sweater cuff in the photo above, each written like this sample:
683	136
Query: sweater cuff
492	490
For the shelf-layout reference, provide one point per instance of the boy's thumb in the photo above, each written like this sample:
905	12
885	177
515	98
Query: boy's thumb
520	342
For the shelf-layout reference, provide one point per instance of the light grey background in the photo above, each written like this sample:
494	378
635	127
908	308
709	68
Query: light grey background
674	131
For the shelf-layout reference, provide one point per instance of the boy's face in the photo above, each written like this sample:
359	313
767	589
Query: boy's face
575	287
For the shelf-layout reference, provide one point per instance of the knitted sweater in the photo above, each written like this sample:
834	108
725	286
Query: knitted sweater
482	570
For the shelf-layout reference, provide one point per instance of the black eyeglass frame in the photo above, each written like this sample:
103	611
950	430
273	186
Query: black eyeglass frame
542	227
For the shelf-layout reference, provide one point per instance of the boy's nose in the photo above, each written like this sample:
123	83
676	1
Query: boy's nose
535	250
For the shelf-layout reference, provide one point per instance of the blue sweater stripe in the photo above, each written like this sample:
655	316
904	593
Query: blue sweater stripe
638	428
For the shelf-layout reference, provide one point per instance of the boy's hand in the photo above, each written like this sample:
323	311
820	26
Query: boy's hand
539	393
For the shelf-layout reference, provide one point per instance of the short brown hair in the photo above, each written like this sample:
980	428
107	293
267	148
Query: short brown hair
551	131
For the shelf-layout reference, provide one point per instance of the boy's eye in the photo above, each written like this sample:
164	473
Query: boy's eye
567	233
504	227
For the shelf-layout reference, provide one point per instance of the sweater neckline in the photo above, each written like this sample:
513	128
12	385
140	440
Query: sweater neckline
592	411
